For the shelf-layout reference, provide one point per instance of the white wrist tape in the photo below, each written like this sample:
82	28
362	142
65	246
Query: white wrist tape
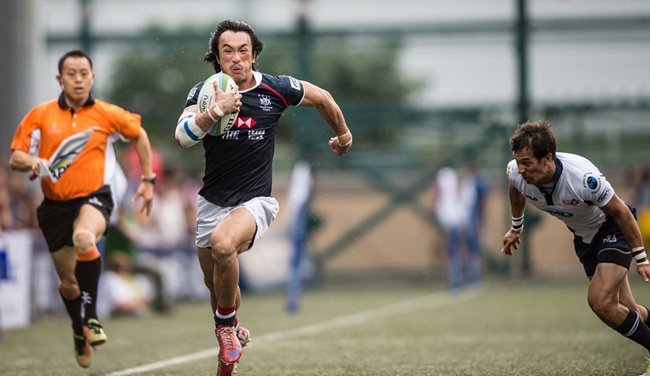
640	256
344	134
347	143
212	117
517	223
187	132
217	110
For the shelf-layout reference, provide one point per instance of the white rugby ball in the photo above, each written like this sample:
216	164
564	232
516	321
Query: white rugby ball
206	99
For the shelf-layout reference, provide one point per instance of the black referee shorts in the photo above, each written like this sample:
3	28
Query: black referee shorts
56	218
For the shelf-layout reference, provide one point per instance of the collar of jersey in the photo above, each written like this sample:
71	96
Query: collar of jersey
548	193
64	105
258	81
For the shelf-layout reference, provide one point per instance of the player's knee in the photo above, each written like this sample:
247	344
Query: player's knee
223	248
83	239
603	307
69	289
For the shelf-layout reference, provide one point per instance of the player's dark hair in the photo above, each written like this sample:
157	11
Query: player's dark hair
236	26
73	53
536	136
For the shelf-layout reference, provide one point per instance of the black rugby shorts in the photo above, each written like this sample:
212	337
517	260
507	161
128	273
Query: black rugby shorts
608	246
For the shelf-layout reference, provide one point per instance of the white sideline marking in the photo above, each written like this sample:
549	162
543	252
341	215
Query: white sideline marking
406	306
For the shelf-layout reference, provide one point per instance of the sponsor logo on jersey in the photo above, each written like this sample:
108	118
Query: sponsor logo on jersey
591	182
65	154
245	122
559	214
602	197
58	170
294	83
531	198
230	135
508	171
256	135
572	202
54	128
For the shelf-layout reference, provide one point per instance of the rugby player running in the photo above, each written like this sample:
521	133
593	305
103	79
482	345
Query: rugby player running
235	204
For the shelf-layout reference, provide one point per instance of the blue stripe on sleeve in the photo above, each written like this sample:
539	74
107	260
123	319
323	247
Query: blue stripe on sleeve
189	132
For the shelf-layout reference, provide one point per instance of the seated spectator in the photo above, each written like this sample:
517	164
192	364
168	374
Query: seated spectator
122	294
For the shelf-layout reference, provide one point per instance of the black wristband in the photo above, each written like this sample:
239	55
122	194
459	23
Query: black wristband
151	180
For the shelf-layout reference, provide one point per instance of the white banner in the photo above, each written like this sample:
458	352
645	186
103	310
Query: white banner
15	278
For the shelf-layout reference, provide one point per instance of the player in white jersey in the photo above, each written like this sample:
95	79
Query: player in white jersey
606	233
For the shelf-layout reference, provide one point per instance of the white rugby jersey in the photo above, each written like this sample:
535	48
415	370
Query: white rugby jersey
579	190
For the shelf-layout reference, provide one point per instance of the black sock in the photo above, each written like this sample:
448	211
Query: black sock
73	306
634	329
647	320
87	273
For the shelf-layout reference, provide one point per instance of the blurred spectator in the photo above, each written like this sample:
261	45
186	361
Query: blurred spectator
450	215
18	200
458	202
122	293
6	218
162	244
638	178
475	189
170	227
298	199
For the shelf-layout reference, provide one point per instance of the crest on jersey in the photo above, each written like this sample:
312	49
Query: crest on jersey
265	102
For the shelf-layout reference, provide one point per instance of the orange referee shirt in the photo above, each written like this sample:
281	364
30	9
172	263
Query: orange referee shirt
48	124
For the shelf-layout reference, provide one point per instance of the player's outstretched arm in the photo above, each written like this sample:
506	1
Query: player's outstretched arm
330	111
512	238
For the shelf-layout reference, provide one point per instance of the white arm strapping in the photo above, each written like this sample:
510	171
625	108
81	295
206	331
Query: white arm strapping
187	132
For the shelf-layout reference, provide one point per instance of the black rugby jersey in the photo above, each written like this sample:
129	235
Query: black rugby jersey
239	162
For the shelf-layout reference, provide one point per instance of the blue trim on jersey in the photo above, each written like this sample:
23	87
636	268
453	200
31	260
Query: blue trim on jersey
548	195
194	137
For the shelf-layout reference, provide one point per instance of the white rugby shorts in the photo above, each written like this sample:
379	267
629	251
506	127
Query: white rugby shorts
263	209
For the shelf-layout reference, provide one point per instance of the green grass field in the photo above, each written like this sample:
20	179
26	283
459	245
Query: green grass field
505	328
